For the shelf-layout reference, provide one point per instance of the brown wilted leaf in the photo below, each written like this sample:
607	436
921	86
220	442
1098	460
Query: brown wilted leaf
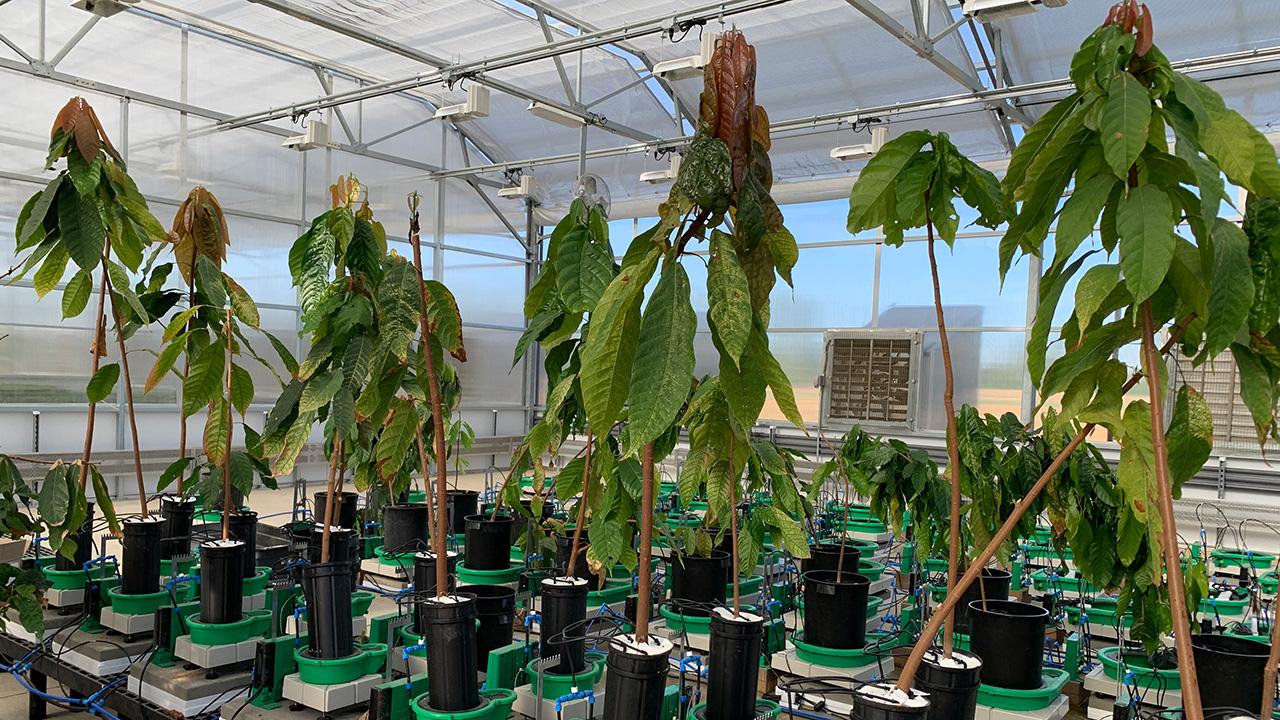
734	62
199	228
78	119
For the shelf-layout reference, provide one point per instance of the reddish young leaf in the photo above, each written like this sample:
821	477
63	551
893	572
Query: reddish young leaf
1146	34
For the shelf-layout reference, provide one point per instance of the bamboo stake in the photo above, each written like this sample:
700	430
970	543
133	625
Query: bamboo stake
953	449
422	460
226	455
912	664
646	545
733	534
129	406
1269	672
1168	525
330	501
97	350
582	511
186	368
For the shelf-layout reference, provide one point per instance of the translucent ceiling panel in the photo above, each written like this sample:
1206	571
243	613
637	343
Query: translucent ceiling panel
235	80
24	133
131	51
247	170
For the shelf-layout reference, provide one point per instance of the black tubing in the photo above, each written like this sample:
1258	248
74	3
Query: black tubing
835	609
1230	671
404	527
84	545
344	510
953	691
826	556
243	526
495	609
488	543
344	546
462	504
140	574
735	666
178	515
699	580
221	581
872	708
327	587
1009	638
565	547
635	682
995	583
424	583
564	603
451	661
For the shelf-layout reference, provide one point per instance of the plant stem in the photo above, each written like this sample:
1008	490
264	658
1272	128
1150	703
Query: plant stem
844	529
97	350
330	500
1168	525
646	545
422	460
226	455
582	511
733	534
129	407
1019	509
953	450
1269	674
186	368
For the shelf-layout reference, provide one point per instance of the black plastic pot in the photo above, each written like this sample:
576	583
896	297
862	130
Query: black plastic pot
1009	638
451	663
826	556
1230	671
178	515
866	706
84	546
564	604
344	512
636	679
221	581
488	542
495	609
327	588
734	661
424	583
462	504
953	691
564	548
835	609
140	574
698	581
995	583
404	527
344	546
243	526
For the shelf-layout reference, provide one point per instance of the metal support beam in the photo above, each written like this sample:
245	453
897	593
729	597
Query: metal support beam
466	160
524	56
74	40
564	76
14	47
294	11
326	84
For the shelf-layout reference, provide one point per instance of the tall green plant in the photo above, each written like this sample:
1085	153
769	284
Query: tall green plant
906	186
1109	140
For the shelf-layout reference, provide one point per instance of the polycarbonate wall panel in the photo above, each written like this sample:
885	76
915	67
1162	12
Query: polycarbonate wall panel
489	291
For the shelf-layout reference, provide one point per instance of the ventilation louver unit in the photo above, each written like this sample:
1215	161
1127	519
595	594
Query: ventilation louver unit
1218	383
870	378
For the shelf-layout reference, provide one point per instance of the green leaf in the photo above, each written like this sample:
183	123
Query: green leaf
102	496
1094	287
209	282
175	470
1080	213
344	414
204	379
241	389
780	387
315	257
728	299
245	309
445	319
55	496
782	247
286	357
583	270
1256	390
538	324
1096	348
663	370
164	363
1034	141
396	438
121	288
80	225
1230	287
1189	438
215	431
792	537
544	288
1125	121
1051	288
319	391
29	232
75	296
102	383
84	174
876	183
51	272
1228	140
1145	223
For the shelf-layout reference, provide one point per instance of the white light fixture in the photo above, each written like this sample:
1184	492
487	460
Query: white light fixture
988	10
879	135
103	8
690	66
658	177
476	106
518	191
554	114
315	135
